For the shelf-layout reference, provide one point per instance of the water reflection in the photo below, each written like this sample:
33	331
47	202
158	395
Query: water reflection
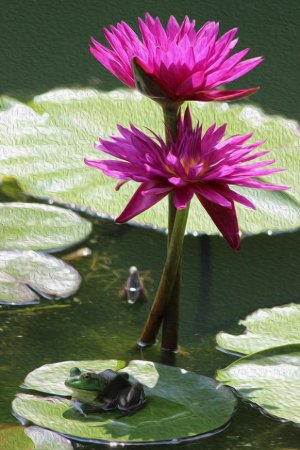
219	288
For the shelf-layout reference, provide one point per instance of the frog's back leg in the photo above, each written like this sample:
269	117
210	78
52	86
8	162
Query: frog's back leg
131	398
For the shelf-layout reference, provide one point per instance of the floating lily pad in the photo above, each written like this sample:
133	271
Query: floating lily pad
269	379
50	378
31	226
31	438
44	144
25	274
180	405
265	328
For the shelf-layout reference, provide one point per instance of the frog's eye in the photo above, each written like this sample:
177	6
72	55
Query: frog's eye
86	376
74	372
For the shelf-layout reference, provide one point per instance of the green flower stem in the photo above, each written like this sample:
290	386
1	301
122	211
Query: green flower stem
170	316
164	294
170	330
169	341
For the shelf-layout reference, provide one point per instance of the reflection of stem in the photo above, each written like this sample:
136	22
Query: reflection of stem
164	295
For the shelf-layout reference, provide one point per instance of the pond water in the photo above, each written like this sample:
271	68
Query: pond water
219	287
49	41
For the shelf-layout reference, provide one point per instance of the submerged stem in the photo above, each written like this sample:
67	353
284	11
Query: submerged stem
164	294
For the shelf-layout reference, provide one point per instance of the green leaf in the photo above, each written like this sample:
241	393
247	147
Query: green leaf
50	378
25	274
180	405
269	379
265	328
44	144
31	226
31	438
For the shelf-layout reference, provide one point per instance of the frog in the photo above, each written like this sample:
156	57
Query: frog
104	391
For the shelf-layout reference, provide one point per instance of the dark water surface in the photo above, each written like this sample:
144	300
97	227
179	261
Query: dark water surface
219	287
44	44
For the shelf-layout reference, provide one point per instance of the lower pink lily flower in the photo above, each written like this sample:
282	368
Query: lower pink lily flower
196	163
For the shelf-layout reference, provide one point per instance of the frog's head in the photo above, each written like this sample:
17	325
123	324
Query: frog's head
84	380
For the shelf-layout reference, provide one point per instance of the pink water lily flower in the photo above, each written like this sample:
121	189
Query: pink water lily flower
196	163
185	63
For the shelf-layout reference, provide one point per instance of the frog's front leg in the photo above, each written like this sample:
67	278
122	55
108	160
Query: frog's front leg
92	407
97	405
85	408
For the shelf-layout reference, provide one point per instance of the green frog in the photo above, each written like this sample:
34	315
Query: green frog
104	391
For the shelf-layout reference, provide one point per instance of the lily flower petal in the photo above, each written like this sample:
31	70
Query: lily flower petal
196	162
225	220
139	203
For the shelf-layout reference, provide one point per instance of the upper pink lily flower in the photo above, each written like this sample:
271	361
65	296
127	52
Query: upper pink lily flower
196	163
185	64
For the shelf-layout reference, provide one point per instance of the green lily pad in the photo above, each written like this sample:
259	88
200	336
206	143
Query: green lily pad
180	405
44	144
265	328
25	274
20	438
31	226
269	379
50	378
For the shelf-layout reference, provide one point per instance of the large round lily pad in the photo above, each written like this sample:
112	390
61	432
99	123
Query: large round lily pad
180	405
269	379
26	274
31	438
265	328
31	226
43	145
